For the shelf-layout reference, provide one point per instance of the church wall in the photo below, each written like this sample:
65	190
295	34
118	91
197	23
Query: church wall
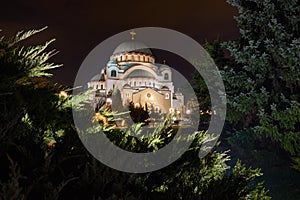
154	98
141	82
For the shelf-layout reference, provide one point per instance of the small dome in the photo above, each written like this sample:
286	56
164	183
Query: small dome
112	62
132	46
164	67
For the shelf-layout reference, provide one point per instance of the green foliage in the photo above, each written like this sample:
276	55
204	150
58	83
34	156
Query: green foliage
201	91
23	77
206	66
133	139
189	177
206	178
117	105
262	86
12	189
34	116
139	114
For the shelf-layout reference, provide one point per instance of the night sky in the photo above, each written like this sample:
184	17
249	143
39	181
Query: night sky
79	26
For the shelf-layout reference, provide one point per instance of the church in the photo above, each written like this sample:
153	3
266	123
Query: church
133	71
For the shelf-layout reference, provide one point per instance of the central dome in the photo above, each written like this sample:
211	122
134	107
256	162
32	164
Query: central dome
132	46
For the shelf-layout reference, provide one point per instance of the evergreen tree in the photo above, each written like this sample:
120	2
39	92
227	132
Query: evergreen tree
216	51
35	115
117	104
264	83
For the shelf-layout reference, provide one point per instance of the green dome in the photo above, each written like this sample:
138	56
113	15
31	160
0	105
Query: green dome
140	74
112	62
132	46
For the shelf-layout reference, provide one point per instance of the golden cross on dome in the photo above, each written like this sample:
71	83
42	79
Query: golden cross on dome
132	33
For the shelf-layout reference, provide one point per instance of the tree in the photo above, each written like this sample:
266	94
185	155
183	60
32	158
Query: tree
139	114
190	177
117	103
215	51
263	84
34	114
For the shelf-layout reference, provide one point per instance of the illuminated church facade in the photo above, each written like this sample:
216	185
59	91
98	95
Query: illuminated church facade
133	71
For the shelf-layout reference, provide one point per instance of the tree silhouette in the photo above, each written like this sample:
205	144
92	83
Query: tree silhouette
263	85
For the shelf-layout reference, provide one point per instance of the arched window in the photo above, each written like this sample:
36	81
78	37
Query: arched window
167	96
113	73
166	76
136	58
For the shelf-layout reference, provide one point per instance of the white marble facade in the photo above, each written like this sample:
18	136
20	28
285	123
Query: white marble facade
132	70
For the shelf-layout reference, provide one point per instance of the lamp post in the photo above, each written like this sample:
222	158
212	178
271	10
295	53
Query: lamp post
108	103
188	112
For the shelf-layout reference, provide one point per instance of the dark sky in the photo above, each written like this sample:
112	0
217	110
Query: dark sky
80	25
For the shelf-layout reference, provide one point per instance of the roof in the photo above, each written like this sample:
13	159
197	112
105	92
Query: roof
139	73
126	86
127	66
132	46
98	77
